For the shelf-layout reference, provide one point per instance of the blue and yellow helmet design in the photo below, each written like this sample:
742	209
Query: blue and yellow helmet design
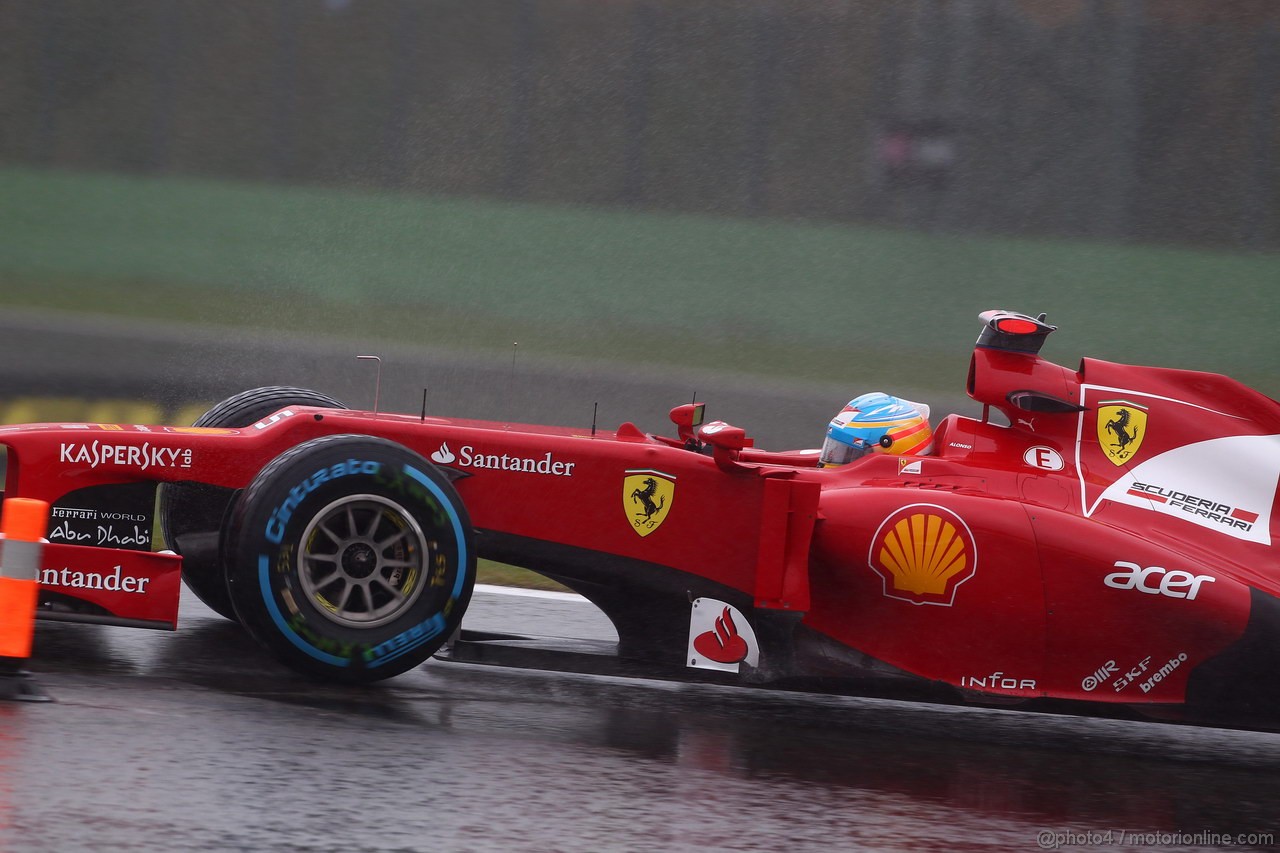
876	423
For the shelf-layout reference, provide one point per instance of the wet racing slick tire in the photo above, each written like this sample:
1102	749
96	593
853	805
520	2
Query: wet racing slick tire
191	514
351	558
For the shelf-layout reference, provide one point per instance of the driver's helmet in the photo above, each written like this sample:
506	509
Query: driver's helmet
879	423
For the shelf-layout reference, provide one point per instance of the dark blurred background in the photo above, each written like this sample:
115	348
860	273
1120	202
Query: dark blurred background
1113	119
1118	119
814	191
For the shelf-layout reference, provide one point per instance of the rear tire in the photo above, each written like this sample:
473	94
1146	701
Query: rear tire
192	514
350	558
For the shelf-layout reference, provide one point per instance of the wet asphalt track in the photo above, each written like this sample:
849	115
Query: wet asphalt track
195	741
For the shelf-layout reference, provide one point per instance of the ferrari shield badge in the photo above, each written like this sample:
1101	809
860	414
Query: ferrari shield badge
646	499
1121	428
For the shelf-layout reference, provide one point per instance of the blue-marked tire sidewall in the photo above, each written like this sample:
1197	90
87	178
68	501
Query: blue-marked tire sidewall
352	558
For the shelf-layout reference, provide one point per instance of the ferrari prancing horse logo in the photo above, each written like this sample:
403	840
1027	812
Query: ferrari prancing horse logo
646	499
1121	428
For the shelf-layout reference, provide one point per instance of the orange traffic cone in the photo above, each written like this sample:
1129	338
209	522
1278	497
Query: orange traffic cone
23	524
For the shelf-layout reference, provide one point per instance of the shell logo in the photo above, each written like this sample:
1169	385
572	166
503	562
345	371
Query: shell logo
923	553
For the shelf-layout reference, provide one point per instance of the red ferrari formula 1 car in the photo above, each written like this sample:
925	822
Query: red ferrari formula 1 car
1103	535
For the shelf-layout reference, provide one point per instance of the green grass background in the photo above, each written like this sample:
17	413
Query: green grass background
803	299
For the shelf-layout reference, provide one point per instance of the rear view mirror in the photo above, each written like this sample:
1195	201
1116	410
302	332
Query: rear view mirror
687	419
722	435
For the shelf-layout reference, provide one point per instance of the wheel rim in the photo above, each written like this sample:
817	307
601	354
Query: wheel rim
362	560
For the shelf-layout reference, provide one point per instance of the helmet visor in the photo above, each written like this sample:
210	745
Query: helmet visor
835	452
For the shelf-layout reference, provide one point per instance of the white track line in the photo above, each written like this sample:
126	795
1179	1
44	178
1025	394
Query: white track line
528	593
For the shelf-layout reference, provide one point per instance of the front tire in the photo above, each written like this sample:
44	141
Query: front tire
191	514
350	558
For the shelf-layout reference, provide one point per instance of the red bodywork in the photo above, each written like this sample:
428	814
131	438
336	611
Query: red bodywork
1061	549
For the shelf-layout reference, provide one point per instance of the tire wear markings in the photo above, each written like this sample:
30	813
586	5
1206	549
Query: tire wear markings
287	629
407	640
264	573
